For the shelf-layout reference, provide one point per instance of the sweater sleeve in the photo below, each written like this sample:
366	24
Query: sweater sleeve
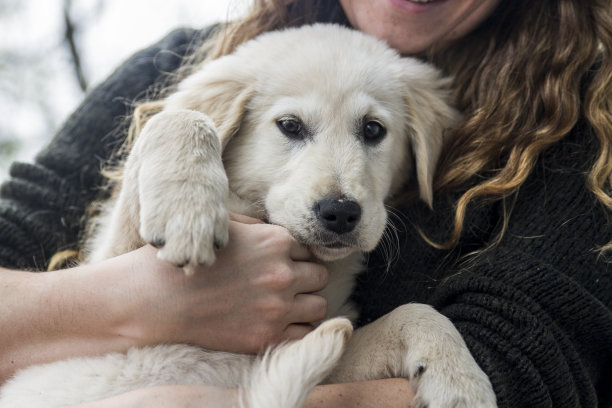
536	310
43	204
541	336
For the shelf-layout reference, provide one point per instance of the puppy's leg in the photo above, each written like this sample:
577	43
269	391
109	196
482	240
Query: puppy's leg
416	342
176	189
284	376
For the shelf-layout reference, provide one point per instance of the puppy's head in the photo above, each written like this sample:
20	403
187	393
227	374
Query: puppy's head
320	125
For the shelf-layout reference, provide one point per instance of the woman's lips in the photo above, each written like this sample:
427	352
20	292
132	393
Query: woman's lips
416	6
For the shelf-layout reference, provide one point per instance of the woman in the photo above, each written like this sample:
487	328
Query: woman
514	252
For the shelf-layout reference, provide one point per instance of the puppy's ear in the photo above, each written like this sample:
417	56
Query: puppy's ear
221	89
430	116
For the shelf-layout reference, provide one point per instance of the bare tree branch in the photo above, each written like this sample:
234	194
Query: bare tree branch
69	36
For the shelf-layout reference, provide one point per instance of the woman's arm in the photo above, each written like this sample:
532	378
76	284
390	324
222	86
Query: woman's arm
57	315
388	393
258	292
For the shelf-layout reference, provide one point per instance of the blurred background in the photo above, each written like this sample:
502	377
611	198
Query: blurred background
53	51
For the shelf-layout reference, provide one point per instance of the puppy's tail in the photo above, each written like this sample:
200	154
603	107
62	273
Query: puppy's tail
284	376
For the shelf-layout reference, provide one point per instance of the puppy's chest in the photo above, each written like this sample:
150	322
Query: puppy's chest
342	275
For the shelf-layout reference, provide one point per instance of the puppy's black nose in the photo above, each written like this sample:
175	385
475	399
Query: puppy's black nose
338	214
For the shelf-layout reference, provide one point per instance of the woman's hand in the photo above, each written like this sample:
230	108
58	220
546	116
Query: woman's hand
258	292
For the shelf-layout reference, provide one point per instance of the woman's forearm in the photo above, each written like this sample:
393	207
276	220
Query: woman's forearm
175	396
52	316
387	393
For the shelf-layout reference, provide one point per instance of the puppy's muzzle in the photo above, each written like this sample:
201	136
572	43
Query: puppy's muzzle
338	214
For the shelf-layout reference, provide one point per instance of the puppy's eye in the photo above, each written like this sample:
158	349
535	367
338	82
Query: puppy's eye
373	131
291	127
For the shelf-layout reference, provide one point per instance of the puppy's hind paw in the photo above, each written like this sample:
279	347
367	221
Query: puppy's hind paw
285	375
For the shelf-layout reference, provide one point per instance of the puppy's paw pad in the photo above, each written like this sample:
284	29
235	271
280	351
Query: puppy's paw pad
157	243
418	370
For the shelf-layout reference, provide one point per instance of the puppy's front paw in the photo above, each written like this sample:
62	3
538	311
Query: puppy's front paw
440	366
414	341
188	233
182	188
458	385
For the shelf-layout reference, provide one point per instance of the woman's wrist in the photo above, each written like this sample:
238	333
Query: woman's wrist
57	315
96	306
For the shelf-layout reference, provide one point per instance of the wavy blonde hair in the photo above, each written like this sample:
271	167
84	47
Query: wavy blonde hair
519	80
540	66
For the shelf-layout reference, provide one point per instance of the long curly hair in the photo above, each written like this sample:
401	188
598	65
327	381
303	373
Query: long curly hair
523	79
520	79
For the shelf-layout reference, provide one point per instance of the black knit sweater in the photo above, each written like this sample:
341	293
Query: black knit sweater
536	310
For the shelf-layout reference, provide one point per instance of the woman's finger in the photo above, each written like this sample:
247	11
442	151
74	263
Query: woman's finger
308	308
244	219
309	277
299	252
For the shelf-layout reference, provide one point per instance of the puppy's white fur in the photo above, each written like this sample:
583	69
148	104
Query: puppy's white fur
217	145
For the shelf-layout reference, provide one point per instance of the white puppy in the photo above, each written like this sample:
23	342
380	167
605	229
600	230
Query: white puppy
312	129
